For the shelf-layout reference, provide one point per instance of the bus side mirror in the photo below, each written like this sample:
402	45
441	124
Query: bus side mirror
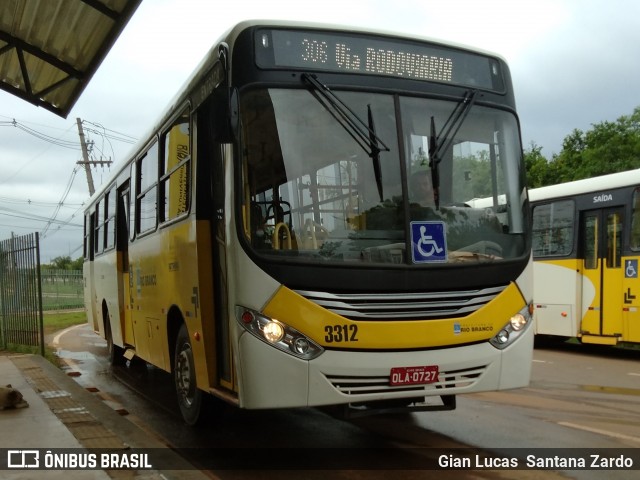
225	112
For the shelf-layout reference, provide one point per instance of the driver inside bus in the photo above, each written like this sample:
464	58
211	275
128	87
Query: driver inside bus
422	189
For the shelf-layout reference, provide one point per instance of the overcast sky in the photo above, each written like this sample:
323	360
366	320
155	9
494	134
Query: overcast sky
573	62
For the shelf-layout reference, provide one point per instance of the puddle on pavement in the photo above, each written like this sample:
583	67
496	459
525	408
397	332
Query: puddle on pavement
613	390
79	356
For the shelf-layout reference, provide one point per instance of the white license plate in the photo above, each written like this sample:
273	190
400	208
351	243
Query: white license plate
413	375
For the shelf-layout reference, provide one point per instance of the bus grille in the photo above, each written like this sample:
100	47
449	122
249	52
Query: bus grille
360	385
403	306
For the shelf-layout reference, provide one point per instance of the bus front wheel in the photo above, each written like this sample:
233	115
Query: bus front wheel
184	374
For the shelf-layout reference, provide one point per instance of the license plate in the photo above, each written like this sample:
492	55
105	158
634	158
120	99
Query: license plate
413	375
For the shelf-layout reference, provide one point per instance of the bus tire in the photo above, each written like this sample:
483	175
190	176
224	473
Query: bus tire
115	352
184	375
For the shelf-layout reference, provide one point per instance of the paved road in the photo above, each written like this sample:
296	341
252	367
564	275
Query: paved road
579	397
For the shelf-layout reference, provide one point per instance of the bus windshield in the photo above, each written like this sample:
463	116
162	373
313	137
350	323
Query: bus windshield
311	192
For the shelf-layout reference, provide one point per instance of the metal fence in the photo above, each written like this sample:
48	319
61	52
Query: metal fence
20	293
62	289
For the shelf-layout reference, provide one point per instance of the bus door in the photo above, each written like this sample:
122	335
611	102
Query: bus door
224	358
89	270
603	275
214	161
124	280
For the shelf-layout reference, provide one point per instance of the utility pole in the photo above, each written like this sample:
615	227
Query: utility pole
85	159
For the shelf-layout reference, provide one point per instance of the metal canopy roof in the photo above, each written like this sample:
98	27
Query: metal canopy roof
50	49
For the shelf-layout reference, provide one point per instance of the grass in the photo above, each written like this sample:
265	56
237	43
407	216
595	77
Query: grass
53	322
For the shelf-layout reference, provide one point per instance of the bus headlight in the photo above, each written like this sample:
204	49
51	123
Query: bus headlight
516	325
273	331
278	334
518	322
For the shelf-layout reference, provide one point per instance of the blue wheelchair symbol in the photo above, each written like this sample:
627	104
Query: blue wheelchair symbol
428	242
631	269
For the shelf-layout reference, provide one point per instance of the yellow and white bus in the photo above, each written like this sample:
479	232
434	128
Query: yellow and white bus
262	243
586	247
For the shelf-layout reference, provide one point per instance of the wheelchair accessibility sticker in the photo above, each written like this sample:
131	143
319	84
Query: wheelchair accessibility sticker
428	242
631	269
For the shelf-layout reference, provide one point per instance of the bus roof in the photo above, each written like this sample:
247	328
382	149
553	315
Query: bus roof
587	185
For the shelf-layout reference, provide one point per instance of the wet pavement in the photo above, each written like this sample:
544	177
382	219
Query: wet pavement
63	418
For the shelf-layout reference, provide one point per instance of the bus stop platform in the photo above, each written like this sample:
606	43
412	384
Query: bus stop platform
65	425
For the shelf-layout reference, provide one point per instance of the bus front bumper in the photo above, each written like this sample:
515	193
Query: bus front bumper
269	378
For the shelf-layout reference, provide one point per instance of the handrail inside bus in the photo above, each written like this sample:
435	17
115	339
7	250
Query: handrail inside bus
276	236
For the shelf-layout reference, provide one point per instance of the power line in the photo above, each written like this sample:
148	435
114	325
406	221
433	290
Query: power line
64	197
37	203
62	224
79	247
108	133
28	162
36	124
37	218
23	227
99	129
73	145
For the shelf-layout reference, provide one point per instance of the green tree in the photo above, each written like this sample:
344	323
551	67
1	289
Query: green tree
608	147
568	165
64	263
537	167
61	263
77	264
614	146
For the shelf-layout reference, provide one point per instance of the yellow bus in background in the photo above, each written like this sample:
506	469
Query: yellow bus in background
586	247
264	245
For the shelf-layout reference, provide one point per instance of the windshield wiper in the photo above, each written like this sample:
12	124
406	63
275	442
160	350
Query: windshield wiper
363	133
375	151
442	141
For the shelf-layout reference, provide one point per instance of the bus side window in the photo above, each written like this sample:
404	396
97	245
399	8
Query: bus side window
635	221
614	239
88	236
590	245
85	250
122	223
175	179
148	194
110	219
135	188
98	241
553	228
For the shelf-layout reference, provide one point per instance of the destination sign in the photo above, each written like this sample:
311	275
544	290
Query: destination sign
375	55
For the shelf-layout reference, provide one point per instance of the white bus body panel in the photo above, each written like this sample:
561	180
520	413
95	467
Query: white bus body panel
270	378
106	285
556	285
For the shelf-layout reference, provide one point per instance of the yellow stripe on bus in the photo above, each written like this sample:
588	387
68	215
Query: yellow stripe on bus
332	330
